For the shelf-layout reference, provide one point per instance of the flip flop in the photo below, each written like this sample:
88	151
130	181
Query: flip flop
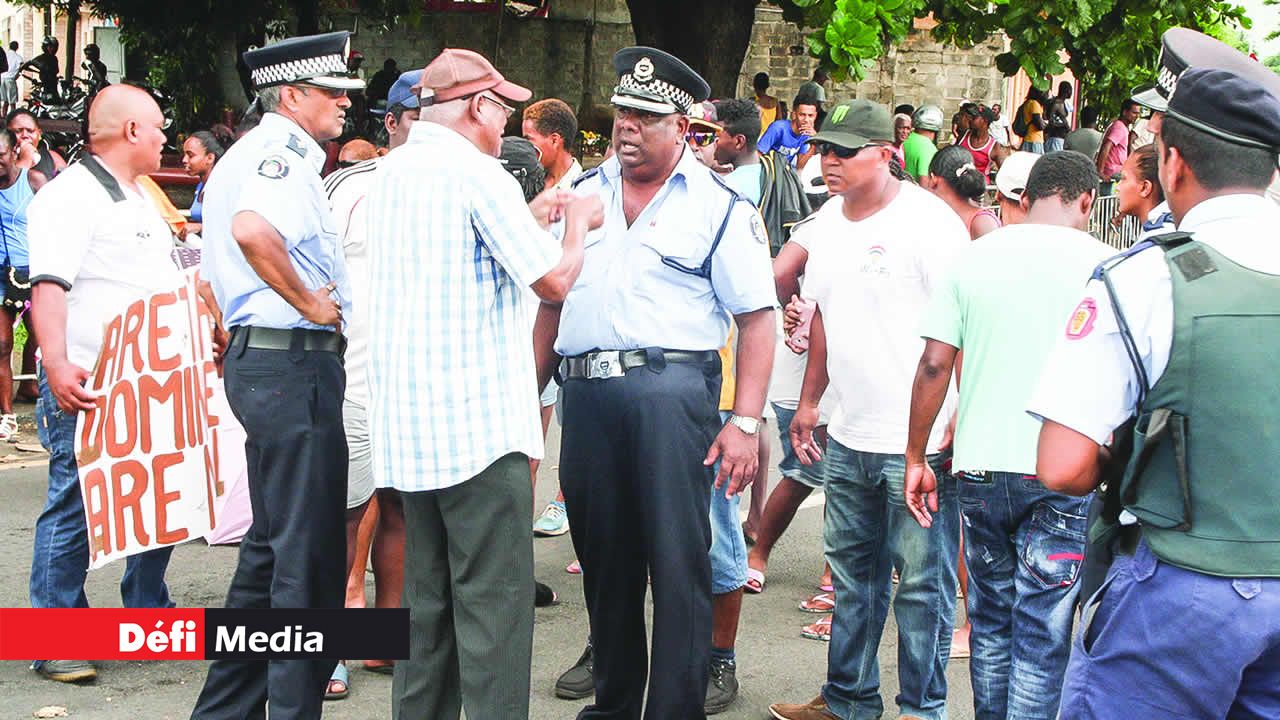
573	568
820	630
755	581
820	603
340	678
382	667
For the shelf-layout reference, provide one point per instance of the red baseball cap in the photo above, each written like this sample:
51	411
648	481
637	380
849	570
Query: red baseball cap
459	73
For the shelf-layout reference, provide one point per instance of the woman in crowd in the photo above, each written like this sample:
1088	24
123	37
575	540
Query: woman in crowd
1139	193
17	186
199	154
33	151
954	178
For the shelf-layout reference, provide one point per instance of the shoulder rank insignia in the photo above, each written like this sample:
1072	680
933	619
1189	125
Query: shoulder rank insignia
274	167
296	145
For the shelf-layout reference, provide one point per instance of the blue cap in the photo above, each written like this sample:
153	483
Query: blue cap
401	93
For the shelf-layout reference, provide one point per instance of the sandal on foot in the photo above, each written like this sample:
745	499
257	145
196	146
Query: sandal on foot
820	603
339	684
827	587
820	630
755	581
9	427
573	568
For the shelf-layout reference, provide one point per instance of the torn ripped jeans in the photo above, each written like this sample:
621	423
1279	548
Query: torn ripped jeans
1024	547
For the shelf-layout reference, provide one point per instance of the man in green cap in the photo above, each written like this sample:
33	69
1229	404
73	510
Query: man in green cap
896	240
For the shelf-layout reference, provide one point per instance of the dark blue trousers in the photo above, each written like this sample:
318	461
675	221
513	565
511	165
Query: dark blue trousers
1159	642
638	499
294	554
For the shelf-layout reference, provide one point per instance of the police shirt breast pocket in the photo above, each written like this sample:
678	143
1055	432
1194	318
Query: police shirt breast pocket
680	257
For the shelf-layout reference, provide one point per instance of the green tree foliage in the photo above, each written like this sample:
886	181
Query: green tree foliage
1273	62
1112	45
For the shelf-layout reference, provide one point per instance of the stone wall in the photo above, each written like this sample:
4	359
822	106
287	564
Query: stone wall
917	71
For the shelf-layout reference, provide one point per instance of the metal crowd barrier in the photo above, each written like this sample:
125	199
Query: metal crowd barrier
1120	236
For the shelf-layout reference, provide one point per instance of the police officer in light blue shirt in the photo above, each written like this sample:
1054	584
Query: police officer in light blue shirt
678	254
275	262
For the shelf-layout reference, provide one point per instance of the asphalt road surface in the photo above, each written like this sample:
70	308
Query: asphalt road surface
775	664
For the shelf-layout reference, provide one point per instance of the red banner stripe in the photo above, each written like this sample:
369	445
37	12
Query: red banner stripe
101	634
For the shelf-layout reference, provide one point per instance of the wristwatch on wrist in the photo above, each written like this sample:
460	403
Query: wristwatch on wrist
748	425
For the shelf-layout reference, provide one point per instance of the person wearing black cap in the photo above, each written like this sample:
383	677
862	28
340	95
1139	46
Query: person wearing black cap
1178	333
272	255
679	253
876	251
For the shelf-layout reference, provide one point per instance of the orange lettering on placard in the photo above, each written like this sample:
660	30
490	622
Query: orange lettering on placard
189	399
107	357
150	391
130	501
121	391
159	464
133	322
157	332
91	433
213	488
97	511
210	371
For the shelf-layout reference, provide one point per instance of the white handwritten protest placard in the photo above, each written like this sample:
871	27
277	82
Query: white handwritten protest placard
150	473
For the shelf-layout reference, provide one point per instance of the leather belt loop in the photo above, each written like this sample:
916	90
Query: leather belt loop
655	359
297	346
239	341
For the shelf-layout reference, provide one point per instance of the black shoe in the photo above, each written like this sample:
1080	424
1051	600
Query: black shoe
579	681
722	686
543	595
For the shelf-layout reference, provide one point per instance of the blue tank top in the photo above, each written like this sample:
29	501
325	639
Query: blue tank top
197	204
13	221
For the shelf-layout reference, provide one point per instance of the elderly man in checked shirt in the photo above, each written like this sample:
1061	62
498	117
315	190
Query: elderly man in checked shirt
453	396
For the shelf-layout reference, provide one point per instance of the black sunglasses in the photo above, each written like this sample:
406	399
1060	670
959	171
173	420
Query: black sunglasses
840	151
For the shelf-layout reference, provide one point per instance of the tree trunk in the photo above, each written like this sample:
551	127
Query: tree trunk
308	16
73	20
710	35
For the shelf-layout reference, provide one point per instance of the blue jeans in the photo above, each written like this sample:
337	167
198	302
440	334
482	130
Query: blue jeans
1024	546
1159	642
61	557
790	466
1054	144
728	547
1037	148
868	533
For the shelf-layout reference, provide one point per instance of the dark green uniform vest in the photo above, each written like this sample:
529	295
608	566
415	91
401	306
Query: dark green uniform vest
1204	477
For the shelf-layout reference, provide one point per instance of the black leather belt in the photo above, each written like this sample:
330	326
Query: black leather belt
263	338
615	363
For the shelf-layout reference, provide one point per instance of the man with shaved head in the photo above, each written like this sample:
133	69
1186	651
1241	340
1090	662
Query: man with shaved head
86	266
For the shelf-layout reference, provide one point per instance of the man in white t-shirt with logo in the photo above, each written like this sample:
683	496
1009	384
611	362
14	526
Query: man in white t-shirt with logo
87	266
872	267
9	79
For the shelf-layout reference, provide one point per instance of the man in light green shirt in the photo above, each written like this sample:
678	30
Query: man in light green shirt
922	144
1004	305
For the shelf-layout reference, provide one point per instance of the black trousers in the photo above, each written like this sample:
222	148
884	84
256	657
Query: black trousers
638	499
294	554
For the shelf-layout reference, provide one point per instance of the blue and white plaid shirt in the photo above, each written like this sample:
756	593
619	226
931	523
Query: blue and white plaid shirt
451	371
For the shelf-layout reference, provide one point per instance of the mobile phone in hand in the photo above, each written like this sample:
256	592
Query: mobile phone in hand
798	340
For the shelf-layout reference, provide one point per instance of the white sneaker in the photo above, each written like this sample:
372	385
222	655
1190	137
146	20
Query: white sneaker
553	521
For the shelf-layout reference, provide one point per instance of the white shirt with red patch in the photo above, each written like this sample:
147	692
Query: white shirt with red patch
1088	383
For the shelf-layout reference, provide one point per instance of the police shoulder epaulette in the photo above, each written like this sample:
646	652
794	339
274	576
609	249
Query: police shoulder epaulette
583	177
1111	262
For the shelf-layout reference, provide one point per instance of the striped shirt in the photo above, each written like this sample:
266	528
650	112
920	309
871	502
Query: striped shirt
451	374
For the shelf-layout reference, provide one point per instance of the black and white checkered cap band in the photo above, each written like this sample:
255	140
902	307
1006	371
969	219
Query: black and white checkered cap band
681	99
296	70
